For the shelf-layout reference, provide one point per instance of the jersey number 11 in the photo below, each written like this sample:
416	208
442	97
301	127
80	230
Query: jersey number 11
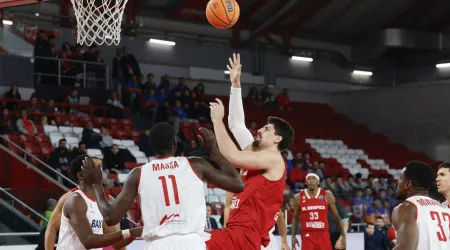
166	192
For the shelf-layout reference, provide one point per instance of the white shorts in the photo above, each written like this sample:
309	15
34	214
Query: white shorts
178	242
272	244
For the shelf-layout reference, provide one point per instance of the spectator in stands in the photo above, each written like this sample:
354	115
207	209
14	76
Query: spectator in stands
358	199
151	105
333	229
342	190
198	112
118	71
374	210
297	177
386	210
306	161
211	223
283	101
114	161
72	100
391	196
50	206
81	150
359	183
371	181
374	241
179	111
381	183
367	198
391	182
134	91
90	137
13	94
60	159
197	92
149	84
144	143
115	106
267	97
329	184
358	214
25	125
288	162
131	63
254	97
165	83
320	170
7	123
107	140
182	85
192	149
382	230
33	108
176	96
351	183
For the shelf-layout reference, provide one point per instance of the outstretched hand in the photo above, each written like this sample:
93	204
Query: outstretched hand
208	140
217	110
92	172
235	70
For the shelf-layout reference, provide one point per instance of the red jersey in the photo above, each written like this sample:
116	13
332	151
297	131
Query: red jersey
257	207
392	235
314	211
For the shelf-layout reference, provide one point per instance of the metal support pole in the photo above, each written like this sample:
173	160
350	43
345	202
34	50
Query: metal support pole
59	72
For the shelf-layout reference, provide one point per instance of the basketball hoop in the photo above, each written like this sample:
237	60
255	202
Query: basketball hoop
99	21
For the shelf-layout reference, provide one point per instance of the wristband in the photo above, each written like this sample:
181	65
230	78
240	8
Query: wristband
126	234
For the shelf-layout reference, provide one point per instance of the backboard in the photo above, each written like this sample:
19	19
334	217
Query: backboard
11	3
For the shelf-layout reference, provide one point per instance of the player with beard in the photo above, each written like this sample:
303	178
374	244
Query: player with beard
254	211
443	182
421	222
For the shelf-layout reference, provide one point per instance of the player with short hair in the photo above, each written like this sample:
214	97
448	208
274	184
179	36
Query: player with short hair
55	220
81	221
311	208
171	191
443	182
252	213
421	223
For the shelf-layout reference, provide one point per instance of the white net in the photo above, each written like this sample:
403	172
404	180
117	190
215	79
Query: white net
99	21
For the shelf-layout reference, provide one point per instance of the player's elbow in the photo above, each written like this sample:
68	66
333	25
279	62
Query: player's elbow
238	188
88	243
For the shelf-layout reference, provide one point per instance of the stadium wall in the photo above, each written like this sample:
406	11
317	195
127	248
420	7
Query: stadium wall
414	114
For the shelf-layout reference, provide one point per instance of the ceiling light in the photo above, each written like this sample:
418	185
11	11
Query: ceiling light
302	58
227	72
362	73
163	42
7	22
442	65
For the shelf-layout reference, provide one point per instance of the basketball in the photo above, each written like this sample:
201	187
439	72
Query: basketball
222	14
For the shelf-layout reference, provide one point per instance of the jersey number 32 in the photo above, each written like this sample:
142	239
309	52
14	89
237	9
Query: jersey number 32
442	233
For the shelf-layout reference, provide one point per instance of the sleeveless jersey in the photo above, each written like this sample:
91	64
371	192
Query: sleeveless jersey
314	211
172	198
68	239
433	222
258	206
445	204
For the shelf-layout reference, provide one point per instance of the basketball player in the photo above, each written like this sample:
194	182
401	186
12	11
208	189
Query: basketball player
171	191
55	220
281	224
443	182
81	220
253	213
421	223
311	206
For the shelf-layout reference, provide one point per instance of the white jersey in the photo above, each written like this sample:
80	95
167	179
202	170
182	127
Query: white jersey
445	204
68	239
433	222
172	199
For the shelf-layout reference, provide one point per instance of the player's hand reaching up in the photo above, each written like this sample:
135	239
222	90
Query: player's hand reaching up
217	110
92	172
208	141
235	70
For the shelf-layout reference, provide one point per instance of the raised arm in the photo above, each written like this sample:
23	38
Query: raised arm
404	221
76	208
114	210
236	116
295	220
337	219
54	223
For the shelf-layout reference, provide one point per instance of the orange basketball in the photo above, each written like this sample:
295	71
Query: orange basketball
222	14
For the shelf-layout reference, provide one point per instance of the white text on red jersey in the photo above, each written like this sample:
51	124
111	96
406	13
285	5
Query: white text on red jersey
308	208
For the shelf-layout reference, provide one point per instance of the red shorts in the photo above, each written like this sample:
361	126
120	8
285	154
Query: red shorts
316	240
234	238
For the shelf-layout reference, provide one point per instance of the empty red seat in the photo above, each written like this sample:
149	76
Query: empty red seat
125	122
29	144
188	134
12	138
130	165
110	121
41	139
98	121
26	138
83	119
127	127
33	150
